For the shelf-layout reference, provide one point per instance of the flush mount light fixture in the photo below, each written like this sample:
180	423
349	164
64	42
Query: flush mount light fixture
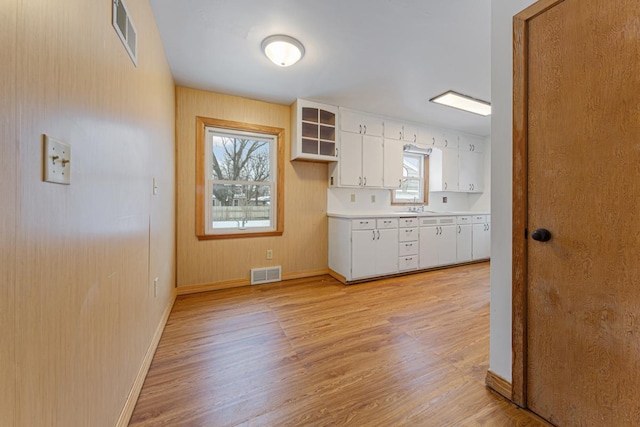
463	102
282	50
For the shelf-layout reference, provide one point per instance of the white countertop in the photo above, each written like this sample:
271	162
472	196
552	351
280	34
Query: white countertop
399	214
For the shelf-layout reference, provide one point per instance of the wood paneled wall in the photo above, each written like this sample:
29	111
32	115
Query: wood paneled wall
8	208
301	250
85	254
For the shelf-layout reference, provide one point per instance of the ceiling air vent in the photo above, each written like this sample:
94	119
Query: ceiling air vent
266	275
125	29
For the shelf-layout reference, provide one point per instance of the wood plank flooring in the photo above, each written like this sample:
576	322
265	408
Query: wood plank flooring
312	352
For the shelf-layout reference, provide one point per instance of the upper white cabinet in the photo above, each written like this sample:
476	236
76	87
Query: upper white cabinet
443	169
471	164
314	131
363	124
400	131
361	155
426	137
392	163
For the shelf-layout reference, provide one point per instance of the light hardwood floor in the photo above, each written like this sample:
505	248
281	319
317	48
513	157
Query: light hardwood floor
312	352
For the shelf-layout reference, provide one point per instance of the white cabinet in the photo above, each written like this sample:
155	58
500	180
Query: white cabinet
426	137
443	169
464	238
361	152
400	131
314	131
481	237
360	123
408	246
392	163
471	160
361	248
437	241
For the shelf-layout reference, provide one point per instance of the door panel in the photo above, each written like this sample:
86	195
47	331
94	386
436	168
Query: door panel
583	169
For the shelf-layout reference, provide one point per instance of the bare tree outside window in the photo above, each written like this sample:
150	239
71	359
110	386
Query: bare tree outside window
242	179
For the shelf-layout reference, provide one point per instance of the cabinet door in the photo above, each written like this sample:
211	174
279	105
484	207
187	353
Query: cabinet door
372	125
393	158
386	259
463	242
392	130
426	137
429	246
450	169
410	133
363	244
471	171
480	241
350	163
447	253
372	161
351	122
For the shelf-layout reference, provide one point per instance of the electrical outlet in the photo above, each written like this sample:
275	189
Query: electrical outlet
353	198
155	287
155	187
373	198
269	254
444	199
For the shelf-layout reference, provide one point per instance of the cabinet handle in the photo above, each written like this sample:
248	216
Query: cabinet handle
459	229
336	151
415	138
445	185
360	128
400	183
433	140
365	181
400	135
359	180
365	129
374	234
378	234
446	142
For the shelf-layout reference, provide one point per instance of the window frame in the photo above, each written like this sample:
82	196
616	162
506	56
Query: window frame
202	187
425	184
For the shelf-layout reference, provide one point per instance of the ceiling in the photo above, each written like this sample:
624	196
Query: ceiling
387	57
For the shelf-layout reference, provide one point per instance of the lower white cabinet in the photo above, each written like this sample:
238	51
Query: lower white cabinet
361	248
464	245
437	241
481	237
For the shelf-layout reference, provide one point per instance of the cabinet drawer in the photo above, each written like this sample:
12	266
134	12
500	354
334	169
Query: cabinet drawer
363	224
387	223
408	263
464	220
408	248
408	222
408	234
479	219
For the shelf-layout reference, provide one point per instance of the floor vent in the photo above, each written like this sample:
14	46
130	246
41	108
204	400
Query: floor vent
266	275
125	29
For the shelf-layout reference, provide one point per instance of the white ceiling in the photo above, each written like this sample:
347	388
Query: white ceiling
381	56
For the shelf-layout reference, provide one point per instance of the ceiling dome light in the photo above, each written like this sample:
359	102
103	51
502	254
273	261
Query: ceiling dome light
282	50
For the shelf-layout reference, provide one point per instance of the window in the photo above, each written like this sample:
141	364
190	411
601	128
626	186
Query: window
415	173
239	180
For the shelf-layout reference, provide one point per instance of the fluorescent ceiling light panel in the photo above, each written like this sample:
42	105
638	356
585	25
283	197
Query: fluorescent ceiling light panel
282	50
463	102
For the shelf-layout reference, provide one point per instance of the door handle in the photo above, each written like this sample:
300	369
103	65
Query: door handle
541	235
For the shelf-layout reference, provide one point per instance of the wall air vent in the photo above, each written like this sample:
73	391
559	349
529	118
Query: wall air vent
266	275
125	29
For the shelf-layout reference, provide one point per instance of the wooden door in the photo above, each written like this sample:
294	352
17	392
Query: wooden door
577	174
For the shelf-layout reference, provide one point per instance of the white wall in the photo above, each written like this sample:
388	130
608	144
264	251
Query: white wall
502	12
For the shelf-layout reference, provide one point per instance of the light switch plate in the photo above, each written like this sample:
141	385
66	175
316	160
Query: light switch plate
56	161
